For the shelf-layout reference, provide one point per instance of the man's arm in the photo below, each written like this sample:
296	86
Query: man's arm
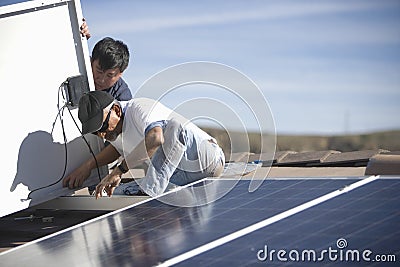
143	151
80	174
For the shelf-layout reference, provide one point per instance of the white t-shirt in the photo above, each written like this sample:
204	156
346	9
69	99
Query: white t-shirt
139	113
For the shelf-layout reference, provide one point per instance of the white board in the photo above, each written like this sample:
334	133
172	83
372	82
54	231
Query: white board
40	48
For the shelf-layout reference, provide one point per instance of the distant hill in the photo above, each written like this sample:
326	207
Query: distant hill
389	140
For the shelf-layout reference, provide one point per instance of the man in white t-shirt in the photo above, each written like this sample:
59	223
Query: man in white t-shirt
143	129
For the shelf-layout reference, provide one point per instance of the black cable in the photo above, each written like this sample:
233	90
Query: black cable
87	143
83	137
58	106
66	154
60	114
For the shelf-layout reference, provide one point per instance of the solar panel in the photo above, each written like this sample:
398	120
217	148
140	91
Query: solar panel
360	227
242	228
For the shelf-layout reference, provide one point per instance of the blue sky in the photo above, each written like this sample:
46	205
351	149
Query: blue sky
325	67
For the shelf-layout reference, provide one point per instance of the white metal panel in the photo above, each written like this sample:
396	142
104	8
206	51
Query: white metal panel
41	47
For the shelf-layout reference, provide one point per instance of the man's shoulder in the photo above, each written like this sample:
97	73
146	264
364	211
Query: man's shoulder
121	82
148	107
141	102
120	90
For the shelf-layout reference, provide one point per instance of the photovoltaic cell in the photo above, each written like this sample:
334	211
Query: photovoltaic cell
153	232
365	219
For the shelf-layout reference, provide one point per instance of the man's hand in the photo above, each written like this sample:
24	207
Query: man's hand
109	183
85	29
77	177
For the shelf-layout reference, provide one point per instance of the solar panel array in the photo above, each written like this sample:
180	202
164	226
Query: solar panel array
290	221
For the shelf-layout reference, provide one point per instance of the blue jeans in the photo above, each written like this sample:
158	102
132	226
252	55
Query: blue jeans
181	160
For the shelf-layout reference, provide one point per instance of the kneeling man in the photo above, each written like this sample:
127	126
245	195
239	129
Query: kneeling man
143	129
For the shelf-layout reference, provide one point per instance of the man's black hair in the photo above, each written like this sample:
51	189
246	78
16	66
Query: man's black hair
111	54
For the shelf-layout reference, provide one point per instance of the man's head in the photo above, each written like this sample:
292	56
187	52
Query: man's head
109	60
100	114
